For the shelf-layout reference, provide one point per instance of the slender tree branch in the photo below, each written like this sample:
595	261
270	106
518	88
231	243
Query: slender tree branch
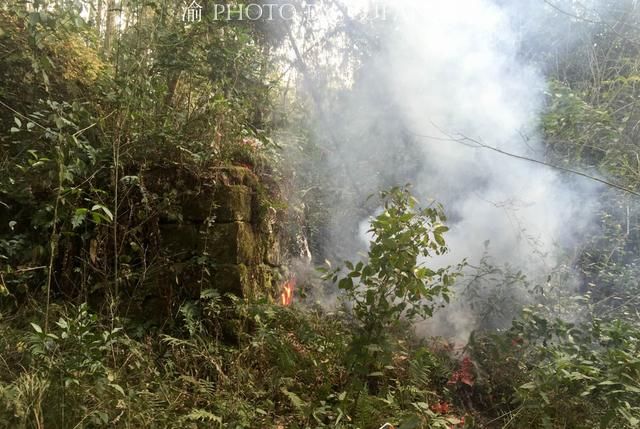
477	144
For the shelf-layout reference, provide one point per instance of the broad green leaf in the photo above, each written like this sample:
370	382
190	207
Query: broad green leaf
106	211
36	328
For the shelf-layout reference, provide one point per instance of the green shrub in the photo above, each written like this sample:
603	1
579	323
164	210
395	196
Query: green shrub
394	283
547	373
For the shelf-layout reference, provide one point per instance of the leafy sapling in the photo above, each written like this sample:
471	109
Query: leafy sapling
395	283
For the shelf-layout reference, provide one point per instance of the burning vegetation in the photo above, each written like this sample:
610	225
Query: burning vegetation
287	292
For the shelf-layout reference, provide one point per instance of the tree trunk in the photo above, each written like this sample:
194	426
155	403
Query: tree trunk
110	25
99	17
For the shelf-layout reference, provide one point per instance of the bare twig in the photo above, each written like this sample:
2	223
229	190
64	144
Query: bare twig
25	270
473	143
610	25
77	133
22	116
53	244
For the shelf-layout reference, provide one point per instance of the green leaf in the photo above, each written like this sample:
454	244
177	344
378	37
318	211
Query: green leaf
441	229
209	294
295	399
78	217
104	417
36	328
529	386
346	283
631	388
106	211
203	416
118	388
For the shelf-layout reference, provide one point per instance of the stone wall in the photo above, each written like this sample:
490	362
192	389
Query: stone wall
215	232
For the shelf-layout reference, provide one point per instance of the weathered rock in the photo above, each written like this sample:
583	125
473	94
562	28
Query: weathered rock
180	242
234	203
272	251
223	203
232	243
189	278
267	280
235	176
224	243
239	252
233	279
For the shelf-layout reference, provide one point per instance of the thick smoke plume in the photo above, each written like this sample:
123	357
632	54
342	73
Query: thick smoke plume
443	70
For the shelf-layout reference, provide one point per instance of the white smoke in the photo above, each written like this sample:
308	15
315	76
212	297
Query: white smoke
454	66
448	69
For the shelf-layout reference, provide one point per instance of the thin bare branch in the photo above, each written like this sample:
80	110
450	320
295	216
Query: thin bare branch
477	144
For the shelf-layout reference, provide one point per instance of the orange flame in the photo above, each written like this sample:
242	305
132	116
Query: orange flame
286	298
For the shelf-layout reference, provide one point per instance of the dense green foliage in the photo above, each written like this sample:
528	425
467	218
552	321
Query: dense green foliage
578	375
231	365
394	286
88	127
99	98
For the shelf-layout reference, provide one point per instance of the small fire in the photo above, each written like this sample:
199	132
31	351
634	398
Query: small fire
286	298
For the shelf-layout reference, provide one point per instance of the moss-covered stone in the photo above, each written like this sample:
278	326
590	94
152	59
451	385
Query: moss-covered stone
235	175
233	279
247	281
267	280
233	243
224	243
180	242
223	203
234	203
189	278
272	251
241	248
